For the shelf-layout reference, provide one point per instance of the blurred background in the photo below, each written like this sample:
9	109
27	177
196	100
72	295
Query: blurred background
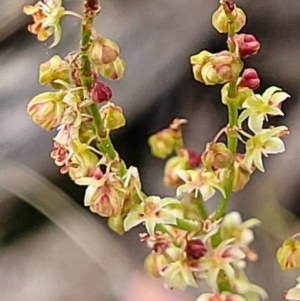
53	249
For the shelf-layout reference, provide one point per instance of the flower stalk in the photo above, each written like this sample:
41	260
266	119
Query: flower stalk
187	241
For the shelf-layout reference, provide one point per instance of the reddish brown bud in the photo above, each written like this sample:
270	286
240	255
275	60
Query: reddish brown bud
101	92
194	158
250	79
247	44
195	249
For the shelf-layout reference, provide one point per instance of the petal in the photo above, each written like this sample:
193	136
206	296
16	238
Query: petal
184	188
266	134
244	115
257	158
132	219
252	101
166	217
183	174
269	92
232	218
212	277
57	35
206	191
252	222
87	181
293	294
208	297
274	111
279	97
30	10
229	271
273	146
150	224
167	201
89	194
153	199
255	122
42	34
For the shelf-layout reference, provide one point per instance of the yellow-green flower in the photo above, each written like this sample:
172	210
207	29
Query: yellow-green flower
152	211
264	143
257	107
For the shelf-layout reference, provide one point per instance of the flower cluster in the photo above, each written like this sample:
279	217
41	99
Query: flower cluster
188	244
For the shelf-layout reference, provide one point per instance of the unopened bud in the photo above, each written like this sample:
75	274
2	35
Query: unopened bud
242	94
241	174
197	62
112	116
104	51
167	140
171	178
288	256
47	109
247	45
222	17
84	161
54	69
116	224
195	249
101	92
217	156
154	263
220	68
114	70
249	79
194	158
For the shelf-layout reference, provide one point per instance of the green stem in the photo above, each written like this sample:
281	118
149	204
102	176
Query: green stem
232	139
187	225
104	143
201	208
94	112
232	145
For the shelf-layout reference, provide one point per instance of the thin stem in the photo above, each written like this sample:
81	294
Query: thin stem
232	139
201	208
187	225
105	145
92	8
93	111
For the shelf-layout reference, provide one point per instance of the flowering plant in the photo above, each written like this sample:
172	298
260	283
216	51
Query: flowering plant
188	244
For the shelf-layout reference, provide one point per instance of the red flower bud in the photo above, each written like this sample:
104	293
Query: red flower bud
250	79
247	44
101	92
194	158
195	249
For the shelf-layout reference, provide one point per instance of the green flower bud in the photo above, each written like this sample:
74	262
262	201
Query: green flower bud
221	68
54	69
171	178
217	156
154	263
242	94
104	51
197	62
166	141
112	116
288	256
83	161
241	176
114	70
47	109
225	15
116	224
